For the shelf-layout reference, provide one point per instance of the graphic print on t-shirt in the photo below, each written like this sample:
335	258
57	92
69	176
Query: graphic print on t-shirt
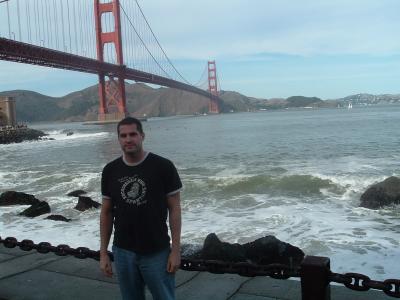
133	190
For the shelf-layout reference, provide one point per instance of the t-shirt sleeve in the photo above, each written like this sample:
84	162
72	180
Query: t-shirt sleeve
173	181
104	186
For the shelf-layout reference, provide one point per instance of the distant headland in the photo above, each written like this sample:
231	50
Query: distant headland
143	100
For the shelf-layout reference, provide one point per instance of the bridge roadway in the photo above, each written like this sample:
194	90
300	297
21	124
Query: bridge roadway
34	276
15	51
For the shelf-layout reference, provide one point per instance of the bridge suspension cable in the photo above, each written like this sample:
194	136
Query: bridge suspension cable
68	26
62	34
145	49
202	83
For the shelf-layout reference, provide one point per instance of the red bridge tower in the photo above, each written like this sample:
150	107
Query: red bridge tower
111	93
213	106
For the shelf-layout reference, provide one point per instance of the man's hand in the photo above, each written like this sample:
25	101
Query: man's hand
105	265
174	261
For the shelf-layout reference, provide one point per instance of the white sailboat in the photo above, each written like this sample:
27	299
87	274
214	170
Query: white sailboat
350	105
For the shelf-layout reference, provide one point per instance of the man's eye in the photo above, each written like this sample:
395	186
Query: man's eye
122	135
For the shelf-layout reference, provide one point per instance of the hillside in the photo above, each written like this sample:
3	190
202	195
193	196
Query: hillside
143	100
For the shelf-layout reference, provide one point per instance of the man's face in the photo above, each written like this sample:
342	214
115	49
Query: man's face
130	139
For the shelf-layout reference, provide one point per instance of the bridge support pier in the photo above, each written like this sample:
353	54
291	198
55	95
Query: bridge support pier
213	106
112	106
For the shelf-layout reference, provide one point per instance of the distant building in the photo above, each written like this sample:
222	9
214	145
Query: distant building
8	114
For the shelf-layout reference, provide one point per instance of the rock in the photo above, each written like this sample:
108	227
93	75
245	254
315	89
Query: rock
17	198
383	193
67	132
18	135
213	248
191	251
76	193
58	218
263	251
269	249
36	210
84	203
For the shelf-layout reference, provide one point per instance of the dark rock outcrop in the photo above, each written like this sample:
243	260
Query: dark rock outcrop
58	218
67	132
266	250
269	249
17	198
213	248
383	193
85	203
18	135
76	193
36	210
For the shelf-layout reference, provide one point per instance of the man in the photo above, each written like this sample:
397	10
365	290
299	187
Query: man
139	190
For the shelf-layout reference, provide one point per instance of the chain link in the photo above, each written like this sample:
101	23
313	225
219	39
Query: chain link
360	282
277	271
44	247
354	281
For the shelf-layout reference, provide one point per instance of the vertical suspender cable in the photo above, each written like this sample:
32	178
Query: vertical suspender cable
36	21
76	31
39	23
55	16
92	33
69	28
8	18
64	46
42	39
85	24
29	21
19	22
133	45
83	50
48	23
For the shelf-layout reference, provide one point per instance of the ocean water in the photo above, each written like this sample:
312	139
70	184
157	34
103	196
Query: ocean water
294	174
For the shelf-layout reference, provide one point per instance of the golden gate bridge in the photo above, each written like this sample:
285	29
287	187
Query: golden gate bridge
110	38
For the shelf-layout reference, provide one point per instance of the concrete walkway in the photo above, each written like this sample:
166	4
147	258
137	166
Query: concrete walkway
34	276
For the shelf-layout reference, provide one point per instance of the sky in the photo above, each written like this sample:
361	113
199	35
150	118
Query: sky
262	48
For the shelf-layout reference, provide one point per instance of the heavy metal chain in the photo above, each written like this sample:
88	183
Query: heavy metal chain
354	281
360	282
277	271
44	247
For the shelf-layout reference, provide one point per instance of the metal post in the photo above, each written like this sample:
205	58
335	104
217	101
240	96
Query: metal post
314	272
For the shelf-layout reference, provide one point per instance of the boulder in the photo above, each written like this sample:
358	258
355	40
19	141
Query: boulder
67	132
36	210
263	251
58	218
269	249
17	198
383	193
84	203
213	248
18	135
76	193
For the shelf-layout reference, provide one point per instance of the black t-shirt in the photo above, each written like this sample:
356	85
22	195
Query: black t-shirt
139	196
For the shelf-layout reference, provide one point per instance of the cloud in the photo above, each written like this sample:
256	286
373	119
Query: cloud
234	28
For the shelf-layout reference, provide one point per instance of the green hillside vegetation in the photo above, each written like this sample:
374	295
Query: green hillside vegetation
301	101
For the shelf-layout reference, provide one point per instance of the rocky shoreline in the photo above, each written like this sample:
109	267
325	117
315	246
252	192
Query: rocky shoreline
9	135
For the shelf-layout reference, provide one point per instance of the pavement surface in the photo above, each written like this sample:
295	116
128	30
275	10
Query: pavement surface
28	275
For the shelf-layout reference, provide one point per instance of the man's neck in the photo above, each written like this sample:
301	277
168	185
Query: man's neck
134	158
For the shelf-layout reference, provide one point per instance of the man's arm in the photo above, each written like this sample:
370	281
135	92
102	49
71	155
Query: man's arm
106	225
174	209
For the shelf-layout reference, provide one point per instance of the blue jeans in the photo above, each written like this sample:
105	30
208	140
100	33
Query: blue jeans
134	271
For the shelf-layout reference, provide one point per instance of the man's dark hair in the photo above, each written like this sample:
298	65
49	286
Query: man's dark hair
129	121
